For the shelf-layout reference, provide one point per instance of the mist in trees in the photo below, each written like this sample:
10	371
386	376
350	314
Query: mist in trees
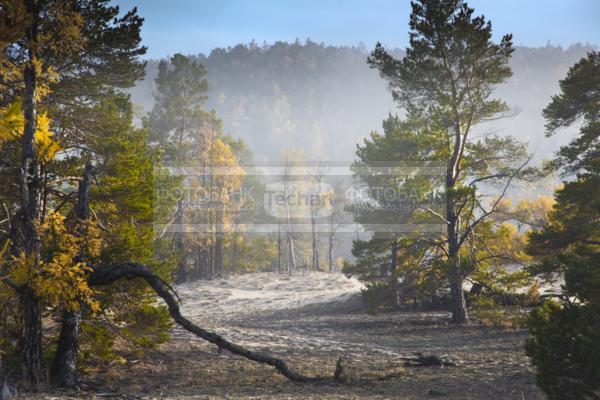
123	181
324	99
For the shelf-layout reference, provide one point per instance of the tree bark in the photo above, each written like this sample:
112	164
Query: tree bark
204	260
210	261
394	257
27	239
457	299
279	247
455	275
181	274
32	337
219	243
290	236
331	238
64	366
330	250
291	256
315	246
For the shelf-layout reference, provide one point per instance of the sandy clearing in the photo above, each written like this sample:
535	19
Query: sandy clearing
251	293
310	321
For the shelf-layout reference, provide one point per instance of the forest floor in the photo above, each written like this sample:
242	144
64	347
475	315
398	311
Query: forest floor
310	321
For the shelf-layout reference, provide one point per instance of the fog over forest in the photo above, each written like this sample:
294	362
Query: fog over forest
323	99
417	217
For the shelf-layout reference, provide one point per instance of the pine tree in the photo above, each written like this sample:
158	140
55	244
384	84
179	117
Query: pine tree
67	52
401	267
446	80
388	258
176	121
188	136
564	342
177	126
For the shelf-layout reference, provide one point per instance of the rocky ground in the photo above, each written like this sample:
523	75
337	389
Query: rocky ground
311	321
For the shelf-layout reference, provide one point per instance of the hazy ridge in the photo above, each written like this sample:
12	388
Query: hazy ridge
324	99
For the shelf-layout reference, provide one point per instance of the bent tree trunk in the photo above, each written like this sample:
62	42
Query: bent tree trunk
130	270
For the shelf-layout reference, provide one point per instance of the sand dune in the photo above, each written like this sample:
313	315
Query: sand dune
260	292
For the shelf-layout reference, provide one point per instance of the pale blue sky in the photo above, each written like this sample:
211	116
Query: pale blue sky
194	26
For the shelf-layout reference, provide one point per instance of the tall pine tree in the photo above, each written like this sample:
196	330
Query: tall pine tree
446	80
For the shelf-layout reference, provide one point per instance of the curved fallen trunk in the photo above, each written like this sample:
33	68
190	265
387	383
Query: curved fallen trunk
131	270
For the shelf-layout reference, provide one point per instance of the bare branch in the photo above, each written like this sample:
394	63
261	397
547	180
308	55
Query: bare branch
440	216
495	204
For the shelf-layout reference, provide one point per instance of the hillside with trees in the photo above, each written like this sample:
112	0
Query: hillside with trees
324	99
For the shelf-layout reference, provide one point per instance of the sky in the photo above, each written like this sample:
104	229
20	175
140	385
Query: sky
198	26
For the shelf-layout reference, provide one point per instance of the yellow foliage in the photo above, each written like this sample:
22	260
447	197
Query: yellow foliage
60	278
510	242
46	147
213	191
536	211
12	125
11	122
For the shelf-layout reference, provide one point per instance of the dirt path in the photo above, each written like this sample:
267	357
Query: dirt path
310	321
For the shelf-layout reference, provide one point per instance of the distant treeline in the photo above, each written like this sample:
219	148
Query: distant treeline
324	99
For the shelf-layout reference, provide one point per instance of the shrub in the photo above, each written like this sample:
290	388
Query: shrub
565	347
